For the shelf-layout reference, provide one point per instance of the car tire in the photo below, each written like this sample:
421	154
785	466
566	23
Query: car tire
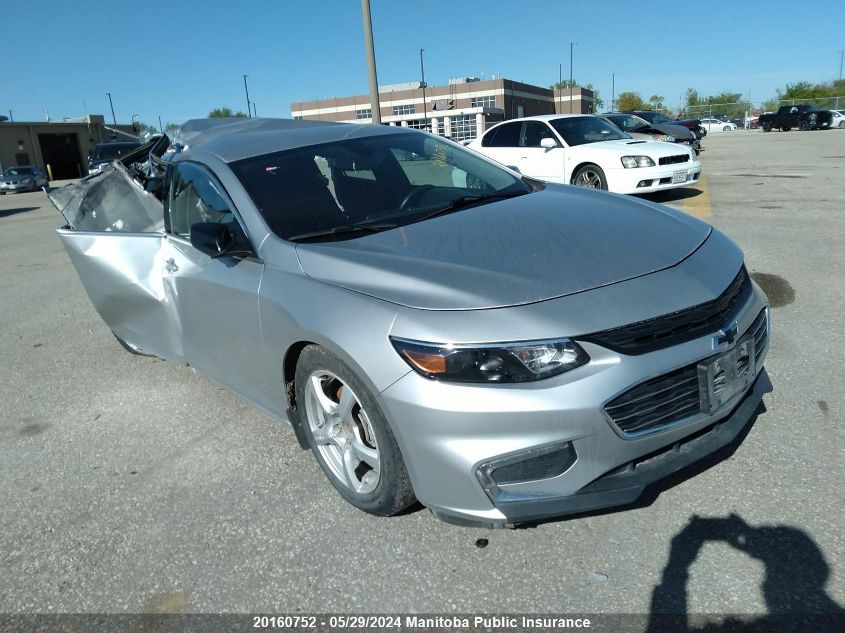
131	348
727	128
785	128
803	126
766	127
349	434
590	176
842	124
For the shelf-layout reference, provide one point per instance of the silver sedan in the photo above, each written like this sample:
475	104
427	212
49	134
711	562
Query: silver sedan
431	325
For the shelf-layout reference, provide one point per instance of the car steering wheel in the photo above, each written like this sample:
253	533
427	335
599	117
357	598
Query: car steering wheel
413	194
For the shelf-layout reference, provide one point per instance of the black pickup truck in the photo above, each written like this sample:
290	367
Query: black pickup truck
804	117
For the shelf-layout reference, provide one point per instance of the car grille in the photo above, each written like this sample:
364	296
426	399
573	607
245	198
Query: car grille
671	160
671	397
761	334
657	402
671	329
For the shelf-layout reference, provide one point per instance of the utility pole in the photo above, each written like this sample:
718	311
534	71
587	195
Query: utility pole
11	118
248	103
841	57
560	88
571	45
160	128
613	92
111	105
422	83
254	110
371	60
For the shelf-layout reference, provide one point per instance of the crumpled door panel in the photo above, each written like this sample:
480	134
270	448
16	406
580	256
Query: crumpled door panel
122	274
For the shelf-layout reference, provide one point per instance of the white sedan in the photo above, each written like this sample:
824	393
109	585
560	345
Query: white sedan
717	125
586	150
838	118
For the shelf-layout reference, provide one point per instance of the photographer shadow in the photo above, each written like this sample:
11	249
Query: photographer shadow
795	575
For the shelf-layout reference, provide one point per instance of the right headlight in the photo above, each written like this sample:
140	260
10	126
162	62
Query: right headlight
522	361
629	162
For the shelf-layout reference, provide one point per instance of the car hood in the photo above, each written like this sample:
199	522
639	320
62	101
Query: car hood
633	147
678	131
544	245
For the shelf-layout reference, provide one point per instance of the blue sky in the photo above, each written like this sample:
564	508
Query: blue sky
181	58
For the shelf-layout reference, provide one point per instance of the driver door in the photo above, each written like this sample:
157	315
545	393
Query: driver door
543	163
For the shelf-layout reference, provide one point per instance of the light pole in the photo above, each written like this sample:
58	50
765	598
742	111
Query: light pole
254	110
613	92
571	45
111	105
160	128
371	60
248	106
11	118
841	57
422	83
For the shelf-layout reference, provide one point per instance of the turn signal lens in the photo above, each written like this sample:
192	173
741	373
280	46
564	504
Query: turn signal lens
425	362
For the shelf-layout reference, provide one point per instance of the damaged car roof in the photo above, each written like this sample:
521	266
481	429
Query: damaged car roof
234	139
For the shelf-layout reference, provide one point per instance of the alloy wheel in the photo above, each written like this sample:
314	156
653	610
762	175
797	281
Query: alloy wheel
342	432
588	178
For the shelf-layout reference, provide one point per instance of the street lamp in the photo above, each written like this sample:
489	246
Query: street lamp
111	105
248	105
571	45
422	83
134	116
613	92
160	128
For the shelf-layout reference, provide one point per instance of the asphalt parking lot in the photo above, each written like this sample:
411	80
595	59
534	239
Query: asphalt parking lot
128	484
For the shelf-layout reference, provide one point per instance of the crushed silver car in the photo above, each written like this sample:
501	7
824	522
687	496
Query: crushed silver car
431	325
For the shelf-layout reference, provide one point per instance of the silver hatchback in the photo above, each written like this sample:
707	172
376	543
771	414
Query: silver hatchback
431	325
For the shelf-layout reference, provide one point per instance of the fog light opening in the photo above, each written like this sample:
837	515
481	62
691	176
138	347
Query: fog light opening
531	464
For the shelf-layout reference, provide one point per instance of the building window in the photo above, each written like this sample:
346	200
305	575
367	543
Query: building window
483	102
297	117
463	127
365	113
407	108
418	124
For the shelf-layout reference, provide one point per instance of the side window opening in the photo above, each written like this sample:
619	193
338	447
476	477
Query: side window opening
195	197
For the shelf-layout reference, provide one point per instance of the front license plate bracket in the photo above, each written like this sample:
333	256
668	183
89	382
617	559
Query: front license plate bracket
723	377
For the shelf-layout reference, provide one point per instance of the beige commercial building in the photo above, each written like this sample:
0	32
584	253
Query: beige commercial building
461	110
60	148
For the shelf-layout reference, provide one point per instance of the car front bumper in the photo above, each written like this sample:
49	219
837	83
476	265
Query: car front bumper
448	432
7	188
650	179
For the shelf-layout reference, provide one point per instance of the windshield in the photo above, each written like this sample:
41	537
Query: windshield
381	181
110	151
18	171
580	130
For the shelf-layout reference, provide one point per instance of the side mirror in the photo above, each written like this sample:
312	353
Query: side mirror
215	239
548	143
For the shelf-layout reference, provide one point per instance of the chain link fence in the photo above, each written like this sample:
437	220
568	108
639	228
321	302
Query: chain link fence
822	103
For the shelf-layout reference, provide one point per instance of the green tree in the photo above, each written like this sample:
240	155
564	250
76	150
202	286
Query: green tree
630	101
821	95
598	102
656	102
225	113
171	128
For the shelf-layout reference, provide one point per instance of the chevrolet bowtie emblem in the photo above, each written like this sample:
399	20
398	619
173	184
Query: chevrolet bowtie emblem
726	335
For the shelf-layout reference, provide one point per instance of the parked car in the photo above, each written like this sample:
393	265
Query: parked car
717	125
838	118
586	150
431	325
804	117
635	127
22	178
104	153
653	116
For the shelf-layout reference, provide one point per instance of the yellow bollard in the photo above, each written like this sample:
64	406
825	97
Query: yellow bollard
49	172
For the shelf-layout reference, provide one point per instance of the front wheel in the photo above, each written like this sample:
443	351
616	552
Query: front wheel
842	124
727	128
803	126
349	435
590	176
767	127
